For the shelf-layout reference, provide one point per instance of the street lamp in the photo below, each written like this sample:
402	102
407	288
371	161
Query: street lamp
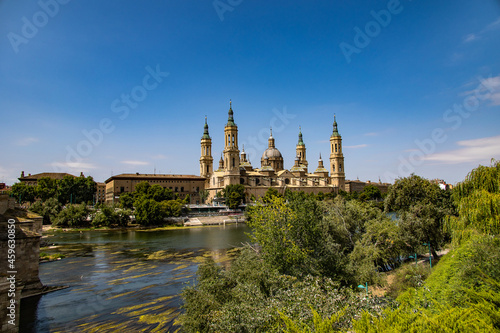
414	256
364	287
430	254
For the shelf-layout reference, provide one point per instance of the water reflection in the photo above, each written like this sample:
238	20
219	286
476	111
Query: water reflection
123	280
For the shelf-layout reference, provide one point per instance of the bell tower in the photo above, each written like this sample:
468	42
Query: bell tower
206	160
231	151
337	173
301	151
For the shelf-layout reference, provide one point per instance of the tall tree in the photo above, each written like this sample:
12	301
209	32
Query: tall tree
234	195
422	207
478	203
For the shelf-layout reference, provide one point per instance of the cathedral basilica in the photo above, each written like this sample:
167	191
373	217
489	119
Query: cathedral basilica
234	167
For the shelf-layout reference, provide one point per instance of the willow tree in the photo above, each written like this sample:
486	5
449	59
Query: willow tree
478	203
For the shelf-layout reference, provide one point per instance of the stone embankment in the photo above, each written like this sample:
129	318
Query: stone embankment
214	220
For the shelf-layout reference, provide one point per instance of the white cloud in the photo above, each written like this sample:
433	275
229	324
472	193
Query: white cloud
477	150
135	162
159	157
357	146
470	37
27	141
492	86
490	27
73	166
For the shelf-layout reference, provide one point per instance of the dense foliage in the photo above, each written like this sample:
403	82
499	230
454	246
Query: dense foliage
252	296
478	203
153	203
67	190
108	216
234	195
422	207
463	292
308	253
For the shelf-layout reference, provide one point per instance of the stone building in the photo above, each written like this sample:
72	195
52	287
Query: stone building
182	185
234	168
33	179
19	277
358	186
100	196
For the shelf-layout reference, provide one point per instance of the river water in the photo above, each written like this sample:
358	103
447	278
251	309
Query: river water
125	281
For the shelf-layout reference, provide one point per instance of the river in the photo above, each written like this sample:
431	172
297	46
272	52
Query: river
125	281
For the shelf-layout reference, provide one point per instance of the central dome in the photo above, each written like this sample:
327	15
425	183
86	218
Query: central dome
271	153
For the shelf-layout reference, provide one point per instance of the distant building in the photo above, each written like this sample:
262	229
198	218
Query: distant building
100	196
235	168
442	184
182	185
358	186
33	179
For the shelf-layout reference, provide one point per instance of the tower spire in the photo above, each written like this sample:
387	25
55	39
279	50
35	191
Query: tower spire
301	141
230	120
335	129
205	132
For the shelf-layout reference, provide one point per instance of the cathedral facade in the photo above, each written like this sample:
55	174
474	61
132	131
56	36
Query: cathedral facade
234	167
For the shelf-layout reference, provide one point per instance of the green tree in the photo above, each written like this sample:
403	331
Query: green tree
422	207
234	195
76	189
23	192
204	195
73	216
108	216
270	193
172	208
148	211
370	192
126	200
478	203
142	188
49	209
46	188
377	250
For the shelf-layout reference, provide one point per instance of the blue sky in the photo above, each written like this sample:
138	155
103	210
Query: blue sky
123	86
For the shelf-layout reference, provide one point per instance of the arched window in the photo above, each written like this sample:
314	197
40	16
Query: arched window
340	168
287	181
335	147
234	162
333	167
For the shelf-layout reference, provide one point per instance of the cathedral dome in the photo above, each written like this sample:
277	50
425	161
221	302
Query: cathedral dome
271	153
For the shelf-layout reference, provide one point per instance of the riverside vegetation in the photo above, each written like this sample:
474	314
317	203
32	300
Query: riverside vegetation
69	203
309	253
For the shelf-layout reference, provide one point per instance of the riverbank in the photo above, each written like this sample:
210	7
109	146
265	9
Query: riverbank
204	221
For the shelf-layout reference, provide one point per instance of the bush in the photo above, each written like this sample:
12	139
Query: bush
254	297
73	216
407	276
